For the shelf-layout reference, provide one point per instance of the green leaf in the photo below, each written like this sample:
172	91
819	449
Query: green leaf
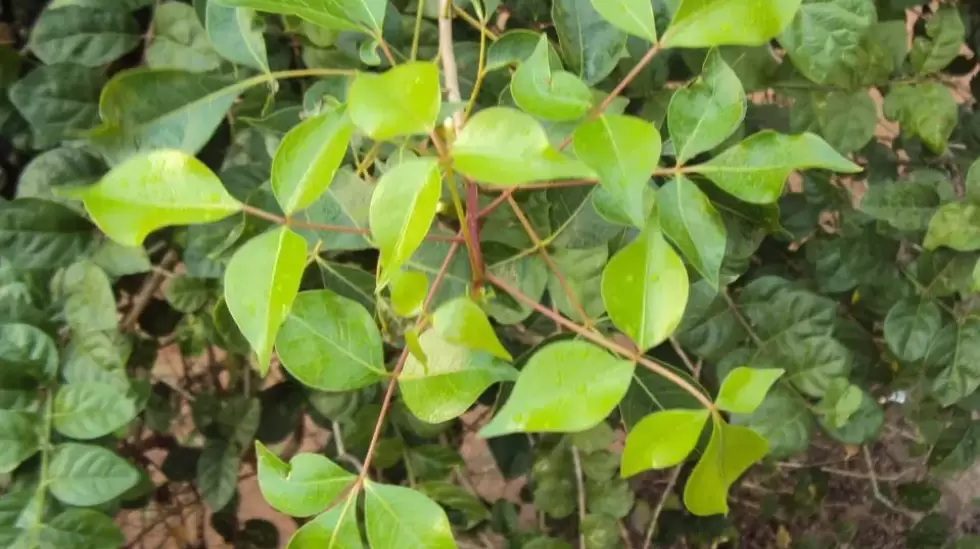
911	326
89	303
91	410
783	419
704	113
26	354
956	226
18	438
97	357
708	23
62	166
906	205
118	260
566	387
59	101
451	380
862	427
645	287
756	169
514	46
926	110
151	191
624	151
234	35
334	529
402	101
308	158
650	392
345	203
83	475
261	282
956	348
662	440
744	389
81	528
847	120
188	294
330	343
303	487
408	290
356	15
825	35
505	147
462	322
840	402
582	270
972	182
83	36
402	210
216	476
551	95
689	219
179	40
36	234
457	499
590	46
945	32
633	16
401	518
730	452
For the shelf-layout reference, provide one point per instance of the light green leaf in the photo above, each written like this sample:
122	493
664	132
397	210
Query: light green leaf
590	46
661	440
463	322
396	517
91	410
945	32
956	349
632	16
624	151
863	425
89	303
565	387
83	475
402	210
704	113
551	95
36	234
744	389
402	101
356	15
689	219
927	111
730	452
84	36
452	378
330	343
911	326
81	528
234	35
709	23
261	282
514	46
18	438
825	36
645	287
907	206
308	157
59	101
303	487
756	169
179	40
334	529
841	401
783	419
955	225
505	147
408	290
152	191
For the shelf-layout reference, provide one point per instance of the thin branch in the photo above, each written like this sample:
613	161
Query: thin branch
741	319
580	488
686	359
448	56
502	197
473	22
876	488
145	294
668	490
472	223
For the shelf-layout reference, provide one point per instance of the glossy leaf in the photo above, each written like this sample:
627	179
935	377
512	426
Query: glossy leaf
756	169
911	326
396	517
632	16
567	386
825	35
152	191
18	438
551	95
744	389
956	349
590	46
83	475
956	226
36	234
402	101
83	36
408	291
645	287
463	322
330	343
234	36
624	151
730	452
689	220
90	410
505	147
179	40
662	440
303	487
402	210
945	33
334	529
708	23
357	15
261	282
926	110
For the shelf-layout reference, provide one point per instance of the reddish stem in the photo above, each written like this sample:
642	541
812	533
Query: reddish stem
473	230
294	223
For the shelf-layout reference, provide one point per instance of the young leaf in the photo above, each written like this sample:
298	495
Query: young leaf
91	410
18	438
624	151
356	15
396	517
927	111
644	287
330	343
37	234
303	487
911	326
402	101
744	388
179	40
632	16
709	23
955	225
83	35
754	170
707	111
502	146
451	378
661	440
154	190
83	475
730	452
945	30
334	529
261	282
689	219
463	322
551	95
408	290
308	157
402	209
565	387
590	46
231	31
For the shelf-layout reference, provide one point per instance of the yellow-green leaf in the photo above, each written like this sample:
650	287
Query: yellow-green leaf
408	290
689	219
402	101
708	23
551	95
730	452
744	388
632	16
463	322
365	16
662	439
396	517
334	529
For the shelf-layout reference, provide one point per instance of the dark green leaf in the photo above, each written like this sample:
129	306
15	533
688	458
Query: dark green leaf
783	419
689	219
81	528
179	40
945	39
36	234
90	410
911	326
357	15
89	304
82	475
825	34
926	111
590	46
18	438
83	36
217	472
956	348
234	35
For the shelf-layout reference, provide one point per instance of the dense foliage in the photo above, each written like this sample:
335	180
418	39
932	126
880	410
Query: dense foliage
609	236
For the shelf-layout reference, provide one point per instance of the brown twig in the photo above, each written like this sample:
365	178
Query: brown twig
668	490
145	294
